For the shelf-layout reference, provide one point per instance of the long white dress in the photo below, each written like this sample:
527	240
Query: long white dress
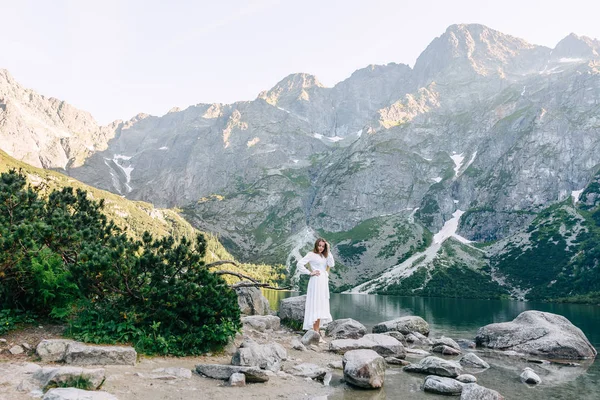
317	294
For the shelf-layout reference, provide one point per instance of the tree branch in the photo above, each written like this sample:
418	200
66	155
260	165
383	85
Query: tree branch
257	284
239	275
216	263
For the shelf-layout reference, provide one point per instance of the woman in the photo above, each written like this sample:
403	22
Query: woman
317	295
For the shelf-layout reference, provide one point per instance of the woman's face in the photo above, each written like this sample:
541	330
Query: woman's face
321	246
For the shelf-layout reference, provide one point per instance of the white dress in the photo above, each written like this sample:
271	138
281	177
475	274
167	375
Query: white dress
317	295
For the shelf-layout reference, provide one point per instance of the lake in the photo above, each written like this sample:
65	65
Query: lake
460	318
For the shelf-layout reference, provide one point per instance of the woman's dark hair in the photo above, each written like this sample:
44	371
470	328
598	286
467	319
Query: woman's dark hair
325	251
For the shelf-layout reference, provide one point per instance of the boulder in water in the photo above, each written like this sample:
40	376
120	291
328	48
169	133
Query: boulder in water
404	325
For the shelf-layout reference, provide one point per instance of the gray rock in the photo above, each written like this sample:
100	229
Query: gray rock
265	356
346	328
466	378
538	333
292	309
237	379
80	354
310	337
398	336
53	350
364	368
446	341
529	376
336	364
76	394
436	366
16	350
466	344
396	361
26	346
441	385
472	391
177	372
417	352
445	350
382	344
473	361
60	375
404	325
223	372
252	301
422	338
410	338
308	370
262	322
297	345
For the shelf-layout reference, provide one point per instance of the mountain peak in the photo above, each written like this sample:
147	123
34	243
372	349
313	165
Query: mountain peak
468	49
292	87
577	47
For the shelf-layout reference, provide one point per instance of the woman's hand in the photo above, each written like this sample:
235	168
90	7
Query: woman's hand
315	273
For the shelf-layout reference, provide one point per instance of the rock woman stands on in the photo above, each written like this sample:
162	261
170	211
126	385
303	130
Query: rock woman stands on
317	295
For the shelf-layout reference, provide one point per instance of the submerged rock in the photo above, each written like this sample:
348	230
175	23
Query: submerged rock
529	376
472	391
441	385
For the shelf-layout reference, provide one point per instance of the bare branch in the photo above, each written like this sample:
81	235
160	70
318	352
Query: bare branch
216	263
239	275
257	284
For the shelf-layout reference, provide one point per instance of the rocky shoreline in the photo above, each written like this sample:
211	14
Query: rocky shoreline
270	360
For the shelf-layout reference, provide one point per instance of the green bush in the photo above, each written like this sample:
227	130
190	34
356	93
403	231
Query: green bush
60	257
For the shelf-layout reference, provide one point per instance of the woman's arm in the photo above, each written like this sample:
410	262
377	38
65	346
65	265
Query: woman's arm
330	262
301	266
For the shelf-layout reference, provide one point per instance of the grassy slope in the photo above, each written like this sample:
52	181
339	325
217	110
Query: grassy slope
136	216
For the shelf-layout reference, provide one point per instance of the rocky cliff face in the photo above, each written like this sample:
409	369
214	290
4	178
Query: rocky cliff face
44	131
485	126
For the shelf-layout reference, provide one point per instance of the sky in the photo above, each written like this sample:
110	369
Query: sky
116	59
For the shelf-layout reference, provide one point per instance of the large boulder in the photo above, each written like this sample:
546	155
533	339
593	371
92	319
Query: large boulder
224	372
384	345
76	394
265	356
252	301
346	328
53	350
441	385
538	333
436	366
472	391
364	368
262	323
81	354
292	309
404	325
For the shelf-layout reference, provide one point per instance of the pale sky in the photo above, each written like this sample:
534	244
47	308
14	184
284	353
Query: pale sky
119	58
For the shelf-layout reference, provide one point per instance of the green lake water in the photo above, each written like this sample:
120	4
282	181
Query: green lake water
460	319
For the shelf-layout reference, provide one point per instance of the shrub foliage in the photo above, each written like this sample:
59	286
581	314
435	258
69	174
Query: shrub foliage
60	257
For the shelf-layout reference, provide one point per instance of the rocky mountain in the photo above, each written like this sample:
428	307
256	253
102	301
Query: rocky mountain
44	131
402	168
